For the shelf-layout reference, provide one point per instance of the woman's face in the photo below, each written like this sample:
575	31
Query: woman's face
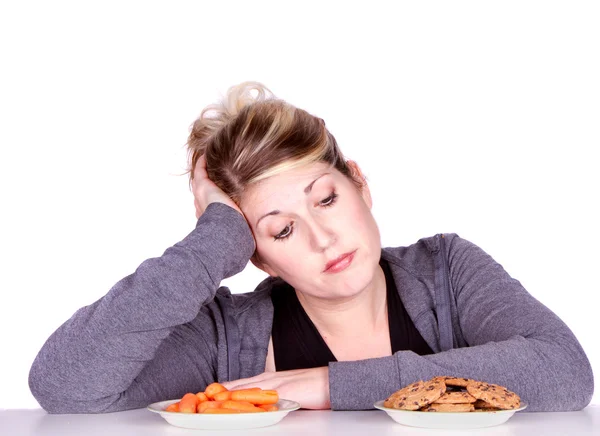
307	217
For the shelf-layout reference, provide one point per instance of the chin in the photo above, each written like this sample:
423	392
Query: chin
353	283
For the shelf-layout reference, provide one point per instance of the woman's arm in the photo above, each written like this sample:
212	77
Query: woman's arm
515	341
103	358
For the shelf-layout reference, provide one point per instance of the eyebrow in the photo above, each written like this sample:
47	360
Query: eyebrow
306	191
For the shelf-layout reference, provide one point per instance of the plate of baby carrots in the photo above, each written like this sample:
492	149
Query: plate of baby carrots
219	408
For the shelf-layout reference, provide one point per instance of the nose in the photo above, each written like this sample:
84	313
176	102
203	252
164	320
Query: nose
321	235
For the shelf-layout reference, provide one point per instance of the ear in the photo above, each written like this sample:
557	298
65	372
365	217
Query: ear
358	175
262	266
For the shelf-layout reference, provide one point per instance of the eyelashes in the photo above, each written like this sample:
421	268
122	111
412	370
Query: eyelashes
289	229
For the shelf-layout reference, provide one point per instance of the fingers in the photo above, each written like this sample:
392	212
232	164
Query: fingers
206	191
232	384
309	387
235	384
269	374
246	386
267	384
200	169
266	380
200	173
199	176
197	206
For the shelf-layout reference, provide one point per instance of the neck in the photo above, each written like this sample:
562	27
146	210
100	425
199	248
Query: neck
362	313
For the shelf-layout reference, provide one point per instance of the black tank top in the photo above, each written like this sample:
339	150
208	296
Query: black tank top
297	343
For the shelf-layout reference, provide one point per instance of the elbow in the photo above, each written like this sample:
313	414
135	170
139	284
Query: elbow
568	388
583	375
581	388
43	384
56	404
574	397
48	398
42	396
46	389
561	377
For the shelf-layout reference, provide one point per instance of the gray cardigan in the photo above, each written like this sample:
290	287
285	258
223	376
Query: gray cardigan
168	329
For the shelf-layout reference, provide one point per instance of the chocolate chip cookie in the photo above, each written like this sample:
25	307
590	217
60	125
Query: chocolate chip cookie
416	395
496	396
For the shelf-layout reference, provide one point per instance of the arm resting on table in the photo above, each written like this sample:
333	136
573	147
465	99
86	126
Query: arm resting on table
103	358
515	341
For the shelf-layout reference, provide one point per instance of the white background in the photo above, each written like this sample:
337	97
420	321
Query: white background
478	118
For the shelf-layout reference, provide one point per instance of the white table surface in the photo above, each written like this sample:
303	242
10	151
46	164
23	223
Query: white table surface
302	422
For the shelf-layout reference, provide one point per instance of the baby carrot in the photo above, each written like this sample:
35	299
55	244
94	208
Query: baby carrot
205	405
242	406
269	407
222	396
226	395
173	407
255	397
214	388
188	403
219	410
202	397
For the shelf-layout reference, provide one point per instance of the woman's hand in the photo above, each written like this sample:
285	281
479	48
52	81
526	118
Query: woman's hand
309	387
206	192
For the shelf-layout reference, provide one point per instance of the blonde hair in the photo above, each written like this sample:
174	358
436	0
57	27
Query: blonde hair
247	138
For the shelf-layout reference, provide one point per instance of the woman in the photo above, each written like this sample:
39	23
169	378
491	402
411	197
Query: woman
338	323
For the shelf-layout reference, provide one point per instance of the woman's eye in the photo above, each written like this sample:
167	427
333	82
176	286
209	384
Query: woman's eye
329	201
288	230
285	233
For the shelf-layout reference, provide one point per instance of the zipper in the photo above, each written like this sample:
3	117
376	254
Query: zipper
442	297
232	336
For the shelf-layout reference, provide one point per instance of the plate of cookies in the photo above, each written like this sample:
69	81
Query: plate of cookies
451	403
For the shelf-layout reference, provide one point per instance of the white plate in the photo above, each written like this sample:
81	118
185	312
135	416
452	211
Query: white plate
449	420
223	422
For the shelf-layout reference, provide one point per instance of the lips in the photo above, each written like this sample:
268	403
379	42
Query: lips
339	263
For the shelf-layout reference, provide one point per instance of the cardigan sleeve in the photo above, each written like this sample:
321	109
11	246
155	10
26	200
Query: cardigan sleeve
514	341
151	336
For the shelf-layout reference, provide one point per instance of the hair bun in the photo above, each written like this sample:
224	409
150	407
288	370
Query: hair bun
240	96
250	135
215	116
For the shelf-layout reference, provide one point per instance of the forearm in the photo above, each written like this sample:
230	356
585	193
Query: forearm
514	341
98	353
548	377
